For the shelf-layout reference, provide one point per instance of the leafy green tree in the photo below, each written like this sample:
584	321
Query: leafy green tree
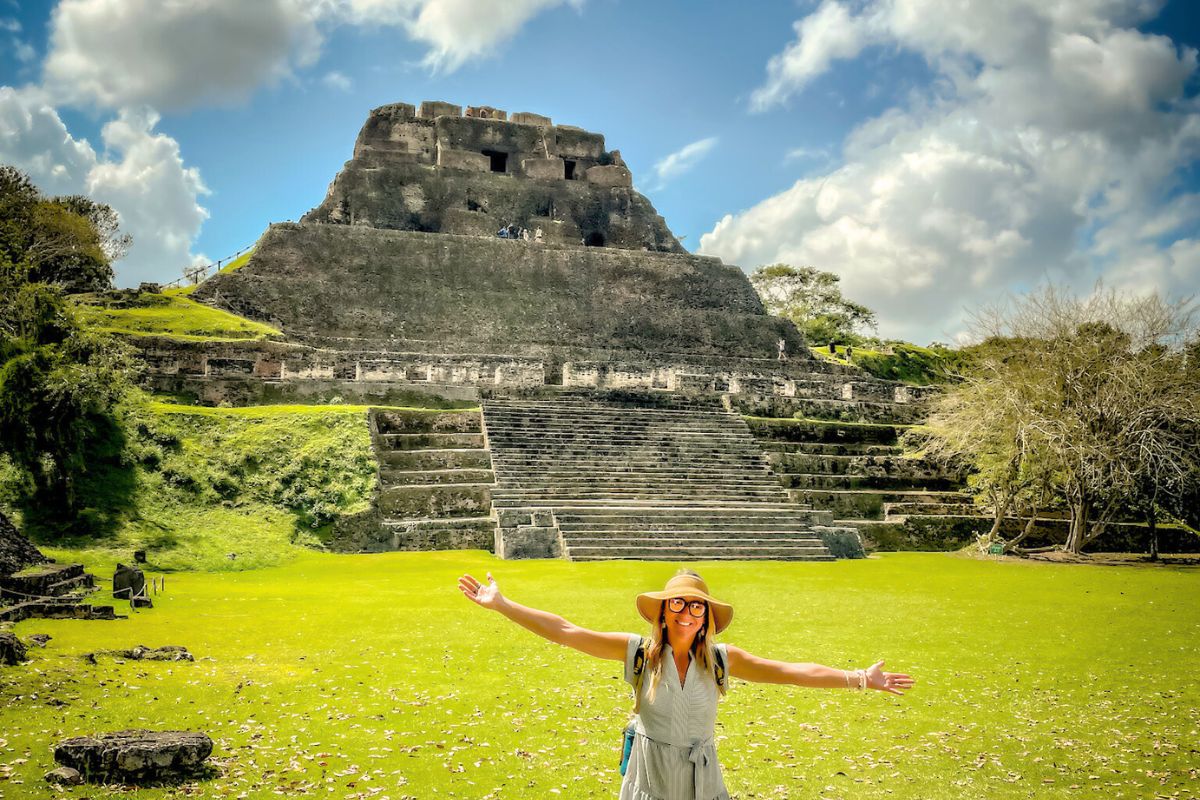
59	385
813	300
68	242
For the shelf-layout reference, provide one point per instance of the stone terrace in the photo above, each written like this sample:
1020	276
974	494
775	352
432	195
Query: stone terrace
587	479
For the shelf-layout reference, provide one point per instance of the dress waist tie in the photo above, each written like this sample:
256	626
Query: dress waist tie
700	754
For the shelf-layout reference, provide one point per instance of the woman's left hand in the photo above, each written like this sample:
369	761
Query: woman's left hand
891	682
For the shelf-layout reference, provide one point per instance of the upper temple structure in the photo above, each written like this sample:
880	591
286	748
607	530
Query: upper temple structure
506	264
403	258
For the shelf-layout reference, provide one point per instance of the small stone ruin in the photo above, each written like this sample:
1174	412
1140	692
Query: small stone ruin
136	757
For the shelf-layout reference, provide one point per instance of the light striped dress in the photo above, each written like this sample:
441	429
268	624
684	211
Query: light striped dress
674	756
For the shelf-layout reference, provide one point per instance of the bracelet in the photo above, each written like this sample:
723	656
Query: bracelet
846	675
862	679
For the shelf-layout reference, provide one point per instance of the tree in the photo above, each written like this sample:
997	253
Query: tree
69	242
1085	400
59	385
812	300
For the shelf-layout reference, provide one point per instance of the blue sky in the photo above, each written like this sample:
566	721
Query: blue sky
935	154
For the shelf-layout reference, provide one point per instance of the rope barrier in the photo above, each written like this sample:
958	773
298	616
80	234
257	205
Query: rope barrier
196	274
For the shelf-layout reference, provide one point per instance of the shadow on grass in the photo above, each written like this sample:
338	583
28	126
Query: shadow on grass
104	486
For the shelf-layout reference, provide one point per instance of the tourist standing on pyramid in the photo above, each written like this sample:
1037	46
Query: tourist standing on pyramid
677	673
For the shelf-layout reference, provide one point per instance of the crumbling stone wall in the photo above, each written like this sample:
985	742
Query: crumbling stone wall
466	294
438	171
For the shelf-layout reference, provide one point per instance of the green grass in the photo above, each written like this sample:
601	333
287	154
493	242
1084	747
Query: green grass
193	485
370	676
909	363
176	316
236	264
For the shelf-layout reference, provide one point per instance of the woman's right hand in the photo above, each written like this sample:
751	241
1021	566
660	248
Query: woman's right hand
484	594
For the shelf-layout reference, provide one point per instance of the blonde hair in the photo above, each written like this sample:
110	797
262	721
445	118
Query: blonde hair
703	649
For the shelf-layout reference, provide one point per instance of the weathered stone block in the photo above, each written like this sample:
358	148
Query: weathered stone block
543	168
128	582
528	541
467	160
576	143
435	501
610	175
139	757
12	650
527	118
431	109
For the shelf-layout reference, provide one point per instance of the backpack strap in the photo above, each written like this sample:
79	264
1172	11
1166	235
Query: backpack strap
639	672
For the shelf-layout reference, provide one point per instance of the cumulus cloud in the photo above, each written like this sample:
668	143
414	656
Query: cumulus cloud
337	80
672	166
139	172
122	53
1050	145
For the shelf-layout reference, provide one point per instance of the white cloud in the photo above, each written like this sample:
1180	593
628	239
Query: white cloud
672	166
457	31
139	173
24	51
827	34
337	80
121	53
176	55
1048	147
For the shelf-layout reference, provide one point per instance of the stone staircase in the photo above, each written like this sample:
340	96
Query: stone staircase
858	471
628	478
49	591
435	477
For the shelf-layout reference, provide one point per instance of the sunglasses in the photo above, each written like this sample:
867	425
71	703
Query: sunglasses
697	608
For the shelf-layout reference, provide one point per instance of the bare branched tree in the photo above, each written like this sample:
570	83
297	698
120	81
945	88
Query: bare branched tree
1085	400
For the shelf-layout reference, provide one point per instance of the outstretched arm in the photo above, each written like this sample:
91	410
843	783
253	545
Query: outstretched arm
548	626
816	676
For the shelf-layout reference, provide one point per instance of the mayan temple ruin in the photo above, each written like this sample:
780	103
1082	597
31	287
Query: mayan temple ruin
634	400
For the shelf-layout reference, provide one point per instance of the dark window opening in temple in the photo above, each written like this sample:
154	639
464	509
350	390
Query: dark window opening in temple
499	160
570	170
545	208
594	239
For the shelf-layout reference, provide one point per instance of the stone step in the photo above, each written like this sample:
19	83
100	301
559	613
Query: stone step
753	536
626	425
822	431
422	441
438	500
651	459
392	477
743	444
867	503
932	509
45	580
624	502
501	492
600	471
528	408
446	458
774	447
716	552
883	465
792	480
395	421
440	522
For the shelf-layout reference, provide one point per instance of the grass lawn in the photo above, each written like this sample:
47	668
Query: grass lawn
370	676
173	315
193	485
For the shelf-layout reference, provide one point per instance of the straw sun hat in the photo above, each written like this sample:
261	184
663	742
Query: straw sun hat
650	603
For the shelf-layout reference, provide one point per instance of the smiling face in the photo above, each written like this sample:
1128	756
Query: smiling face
682	626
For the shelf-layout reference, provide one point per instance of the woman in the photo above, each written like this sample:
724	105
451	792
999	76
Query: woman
677	674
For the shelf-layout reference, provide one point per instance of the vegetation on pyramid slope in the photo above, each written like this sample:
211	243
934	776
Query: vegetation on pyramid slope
173	315
219	489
